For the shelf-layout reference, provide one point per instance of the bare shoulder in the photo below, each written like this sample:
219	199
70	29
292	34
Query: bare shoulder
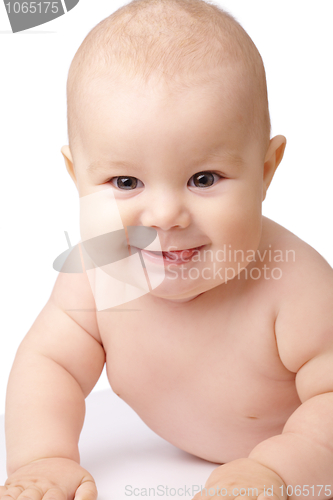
281	238
299	261
72	293
304	323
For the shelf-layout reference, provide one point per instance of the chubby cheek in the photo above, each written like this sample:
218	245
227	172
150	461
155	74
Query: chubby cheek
99	213
129	211
238	223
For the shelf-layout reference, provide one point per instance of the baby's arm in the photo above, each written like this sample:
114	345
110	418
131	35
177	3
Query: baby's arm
303	453
55	368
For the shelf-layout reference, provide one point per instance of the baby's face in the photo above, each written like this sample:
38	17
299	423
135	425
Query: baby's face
183	164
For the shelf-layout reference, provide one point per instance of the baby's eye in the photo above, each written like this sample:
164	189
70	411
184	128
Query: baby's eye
204	179
125	182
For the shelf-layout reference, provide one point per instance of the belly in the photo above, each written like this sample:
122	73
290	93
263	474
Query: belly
215	410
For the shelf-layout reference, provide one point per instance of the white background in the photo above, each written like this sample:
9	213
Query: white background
38	198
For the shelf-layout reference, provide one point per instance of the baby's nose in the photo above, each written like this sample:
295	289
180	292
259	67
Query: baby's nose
166	211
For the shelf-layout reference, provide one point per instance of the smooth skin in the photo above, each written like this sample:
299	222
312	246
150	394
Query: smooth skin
243	368
166	140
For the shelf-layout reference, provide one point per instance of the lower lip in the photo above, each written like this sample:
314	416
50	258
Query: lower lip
175	259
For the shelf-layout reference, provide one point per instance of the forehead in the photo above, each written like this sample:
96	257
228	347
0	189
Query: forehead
124	113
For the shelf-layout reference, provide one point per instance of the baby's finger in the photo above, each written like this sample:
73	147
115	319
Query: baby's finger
54	494
3	490
263	496
86	491
10	492
243	497
28	493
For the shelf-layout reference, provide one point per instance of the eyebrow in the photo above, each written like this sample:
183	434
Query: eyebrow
105	165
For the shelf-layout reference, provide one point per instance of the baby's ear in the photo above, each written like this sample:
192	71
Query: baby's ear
66	152
273	158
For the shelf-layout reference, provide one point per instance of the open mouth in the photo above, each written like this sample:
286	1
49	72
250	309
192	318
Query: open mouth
174	256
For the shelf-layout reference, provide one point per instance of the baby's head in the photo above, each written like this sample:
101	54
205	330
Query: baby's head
168	110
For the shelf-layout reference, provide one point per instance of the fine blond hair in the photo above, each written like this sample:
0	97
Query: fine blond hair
172	40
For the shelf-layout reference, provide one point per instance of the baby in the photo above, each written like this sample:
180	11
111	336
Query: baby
229	354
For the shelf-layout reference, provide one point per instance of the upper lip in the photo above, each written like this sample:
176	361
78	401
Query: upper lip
172	249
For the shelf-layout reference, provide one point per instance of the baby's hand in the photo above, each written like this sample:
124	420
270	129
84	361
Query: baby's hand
244	479
50	479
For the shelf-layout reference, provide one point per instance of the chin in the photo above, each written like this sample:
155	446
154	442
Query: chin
180	291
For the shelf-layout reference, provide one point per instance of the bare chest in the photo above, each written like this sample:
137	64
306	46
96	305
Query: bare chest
208	380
